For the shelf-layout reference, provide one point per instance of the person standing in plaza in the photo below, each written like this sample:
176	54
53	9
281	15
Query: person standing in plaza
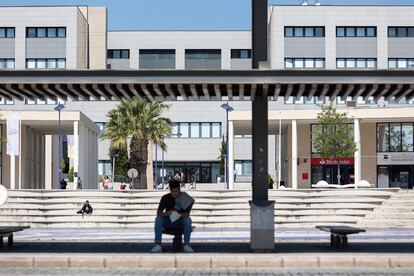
105	183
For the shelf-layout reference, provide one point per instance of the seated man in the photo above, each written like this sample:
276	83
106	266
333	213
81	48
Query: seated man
86	209
163	221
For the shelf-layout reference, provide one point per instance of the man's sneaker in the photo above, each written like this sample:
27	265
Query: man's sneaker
188	249
156	249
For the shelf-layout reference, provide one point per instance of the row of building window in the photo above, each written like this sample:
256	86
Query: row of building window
196	130
118	54
304	31
46	102
304	63
6	32
46	63
395	137
356	31
356	63
167	53
6	63
43	32
401	32
401	63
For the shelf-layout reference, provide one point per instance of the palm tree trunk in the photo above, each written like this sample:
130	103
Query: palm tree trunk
138	160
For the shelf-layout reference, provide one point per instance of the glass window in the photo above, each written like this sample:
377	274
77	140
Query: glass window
410	32
411	63
371	63
41	63
10	33
31	63
195	130
216	130
28	101
315	129
309	63
392	32
116	54
350	31
350	63
2	64
298	63
247	168
360	63
51	32
205	130
319	63
319	32
202	59
41	32
50	101
371	32
61	32
175	130
2	32
340	63
402	63
125	54
10	64
31	32
340	32
299	32
51	63
395	137
401	32
245	54
288	63
184	130
309	32
392	63
360	31
61	63
288	32
407	137
157	59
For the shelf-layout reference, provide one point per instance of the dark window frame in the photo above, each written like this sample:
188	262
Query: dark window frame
356	60
6	32
304	60
30	30
200	134
355	29
123	53
303	28
388	146
397	30
236	53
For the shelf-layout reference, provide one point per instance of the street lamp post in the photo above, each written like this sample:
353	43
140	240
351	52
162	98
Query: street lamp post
228	109
116	155
59	108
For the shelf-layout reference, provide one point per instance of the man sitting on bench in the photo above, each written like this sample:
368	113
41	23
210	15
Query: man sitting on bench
169	217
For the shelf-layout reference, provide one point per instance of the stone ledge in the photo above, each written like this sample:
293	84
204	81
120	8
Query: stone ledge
210	261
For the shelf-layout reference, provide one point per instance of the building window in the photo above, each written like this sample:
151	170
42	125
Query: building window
243	167
304	63
356	63
101	127
401	63
45	32
356	31
7	32
118	54
241	53
6	63
156	59
400	31
45	63
304	31
47	101
196	130
203	59
6	102
395	137
104	167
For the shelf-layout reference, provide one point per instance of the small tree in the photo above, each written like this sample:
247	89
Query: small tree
335	138
222	156
121	160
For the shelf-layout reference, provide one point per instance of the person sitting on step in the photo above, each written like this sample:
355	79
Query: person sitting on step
86	209
167	218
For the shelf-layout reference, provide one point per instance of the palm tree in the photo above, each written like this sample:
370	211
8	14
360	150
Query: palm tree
139	123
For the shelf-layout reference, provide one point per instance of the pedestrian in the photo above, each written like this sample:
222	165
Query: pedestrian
86	209
218	179
63	184
235	174
105	183
79	184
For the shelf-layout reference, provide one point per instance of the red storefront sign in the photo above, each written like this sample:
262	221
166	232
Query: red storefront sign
332	161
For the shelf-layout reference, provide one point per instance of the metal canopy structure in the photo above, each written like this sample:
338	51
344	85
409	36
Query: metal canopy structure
206	85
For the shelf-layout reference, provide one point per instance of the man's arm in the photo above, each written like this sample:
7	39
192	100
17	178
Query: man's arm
161	208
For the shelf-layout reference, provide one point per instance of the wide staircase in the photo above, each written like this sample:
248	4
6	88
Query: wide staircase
397	212
212	209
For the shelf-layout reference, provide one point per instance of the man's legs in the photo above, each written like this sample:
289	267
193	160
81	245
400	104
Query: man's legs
160	224
187	229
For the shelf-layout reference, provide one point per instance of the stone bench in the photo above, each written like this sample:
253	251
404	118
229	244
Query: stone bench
7	231
339	234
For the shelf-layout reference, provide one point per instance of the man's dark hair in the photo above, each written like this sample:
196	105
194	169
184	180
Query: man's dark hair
174	184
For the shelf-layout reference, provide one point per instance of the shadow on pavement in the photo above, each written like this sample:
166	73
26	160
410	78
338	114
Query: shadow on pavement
131	247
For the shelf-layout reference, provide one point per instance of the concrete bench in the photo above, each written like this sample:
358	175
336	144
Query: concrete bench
178	238
7	231
339	234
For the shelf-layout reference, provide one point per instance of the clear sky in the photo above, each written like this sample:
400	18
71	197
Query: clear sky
183	14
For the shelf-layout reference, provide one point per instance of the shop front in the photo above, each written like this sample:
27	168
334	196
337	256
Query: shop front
395	170
327	169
